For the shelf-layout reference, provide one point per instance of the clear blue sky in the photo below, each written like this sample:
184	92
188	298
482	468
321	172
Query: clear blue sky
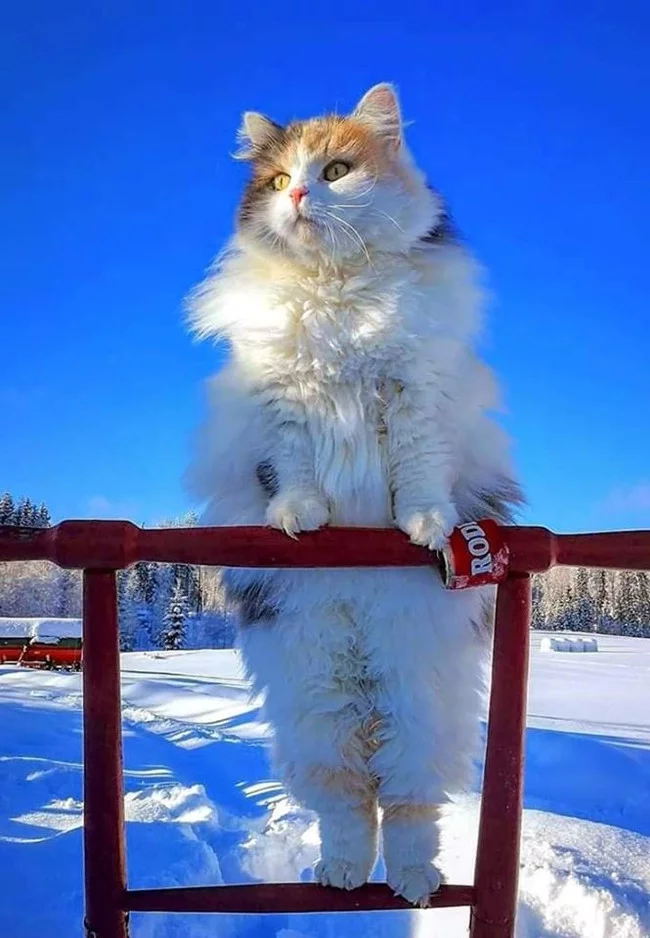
117	189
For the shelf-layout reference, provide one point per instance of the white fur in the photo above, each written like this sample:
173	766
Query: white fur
358	382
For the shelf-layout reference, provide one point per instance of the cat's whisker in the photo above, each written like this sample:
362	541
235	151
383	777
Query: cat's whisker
353	234
369	188
351	205
380	211
330	231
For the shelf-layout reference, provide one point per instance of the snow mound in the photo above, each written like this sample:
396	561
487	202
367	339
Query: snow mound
42	630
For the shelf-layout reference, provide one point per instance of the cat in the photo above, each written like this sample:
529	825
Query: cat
353	395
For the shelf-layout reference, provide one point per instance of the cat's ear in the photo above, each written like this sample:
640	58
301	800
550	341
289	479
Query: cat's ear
379	109
255	134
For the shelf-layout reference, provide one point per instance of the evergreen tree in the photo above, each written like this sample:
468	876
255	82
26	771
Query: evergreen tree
145	582
7	509
22	512
597	585
42	517
634	614
643	579
611	624
127	609
165	583
173	631
68	587
582	615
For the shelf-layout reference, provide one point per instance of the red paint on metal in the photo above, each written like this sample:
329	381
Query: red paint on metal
117	544
285	898
497	858
104	841
35	656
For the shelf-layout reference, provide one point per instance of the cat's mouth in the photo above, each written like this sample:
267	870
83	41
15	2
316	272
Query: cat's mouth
305	224
304	219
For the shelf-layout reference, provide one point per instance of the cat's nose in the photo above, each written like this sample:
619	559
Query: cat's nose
298	194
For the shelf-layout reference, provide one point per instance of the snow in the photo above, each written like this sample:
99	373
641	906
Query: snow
203	806
42	630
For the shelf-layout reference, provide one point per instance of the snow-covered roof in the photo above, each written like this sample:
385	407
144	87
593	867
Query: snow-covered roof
40	629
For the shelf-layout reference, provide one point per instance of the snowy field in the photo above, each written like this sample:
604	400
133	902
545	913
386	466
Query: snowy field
204	808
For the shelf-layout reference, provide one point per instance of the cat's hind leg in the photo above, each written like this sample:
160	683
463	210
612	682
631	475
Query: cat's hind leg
347	820
429	658
304	664
329	775
410	842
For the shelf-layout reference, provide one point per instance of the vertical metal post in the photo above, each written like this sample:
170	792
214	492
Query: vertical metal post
497	858
104	842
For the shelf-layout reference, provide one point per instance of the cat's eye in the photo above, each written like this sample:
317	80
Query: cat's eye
335	170
280	182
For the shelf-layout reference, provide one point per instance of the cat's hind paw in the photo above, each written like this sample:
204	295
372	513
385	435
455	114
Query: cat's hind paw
341	874
430	528
416	884
297	510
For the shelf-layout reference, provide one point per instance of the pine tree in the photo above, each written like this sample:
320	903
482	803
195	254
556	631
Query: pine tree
127	611
597	586
635	615
644	594
612	617
145	582
68	587
21	512
42	517
582	612
7	509
173	631
164	582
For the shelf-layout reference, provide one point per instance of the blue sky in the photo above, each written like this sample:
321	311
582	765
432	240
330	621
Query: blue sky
117	189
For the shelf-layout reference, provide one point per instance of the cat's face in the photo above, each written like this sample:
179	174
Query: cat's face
334	187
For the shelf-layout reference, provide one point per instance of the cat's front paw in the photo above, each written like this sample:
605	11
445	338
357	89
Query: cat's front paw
340	873
297	510
415	883
429	527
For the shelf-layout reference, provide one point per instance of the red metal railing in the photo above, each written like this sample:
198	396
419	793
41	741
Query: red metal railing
101	548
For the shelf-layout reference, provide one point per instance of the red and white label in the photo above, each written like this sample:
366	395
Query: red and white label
476	555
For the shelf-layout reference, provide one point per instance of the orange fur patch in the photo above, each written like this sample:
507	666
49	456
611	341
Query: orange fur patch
410	812
324	138
344	782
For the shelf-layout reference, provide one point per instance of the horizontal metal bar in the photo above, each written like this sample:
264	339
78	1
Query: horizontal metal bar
118	544
263	898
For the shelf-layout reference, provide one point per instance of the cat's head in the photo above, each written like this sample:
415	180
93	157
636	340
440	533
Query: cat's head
335	187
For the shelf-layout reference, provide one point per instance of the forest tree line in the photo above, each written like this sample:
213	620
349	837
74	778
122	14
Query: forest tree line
180	606
160	605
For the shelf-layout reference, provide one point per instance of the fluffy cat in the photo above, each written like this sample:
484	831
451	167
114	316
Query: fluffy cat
352	395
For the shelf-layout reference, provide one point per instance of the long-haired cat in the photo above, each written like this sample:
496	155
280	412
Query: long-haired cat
353	396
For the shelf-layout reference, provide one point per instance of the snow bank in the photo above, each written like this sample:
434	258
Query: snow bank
40	629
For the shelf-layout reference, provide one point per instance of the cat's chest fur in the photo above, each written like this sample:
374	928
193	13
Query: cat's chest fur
340	330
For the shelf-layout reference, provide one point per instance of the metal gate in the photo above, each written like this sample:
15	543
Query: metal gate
100	548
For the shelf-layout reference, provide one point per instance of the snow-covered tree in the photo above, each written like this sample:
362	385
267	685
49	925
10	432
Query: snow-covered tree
132	614
173	631
42	517
68	589
7	508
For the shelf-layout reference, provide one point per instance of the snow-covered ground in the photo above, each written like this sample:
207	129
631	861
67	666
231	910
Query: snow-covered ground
41	629
203	806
